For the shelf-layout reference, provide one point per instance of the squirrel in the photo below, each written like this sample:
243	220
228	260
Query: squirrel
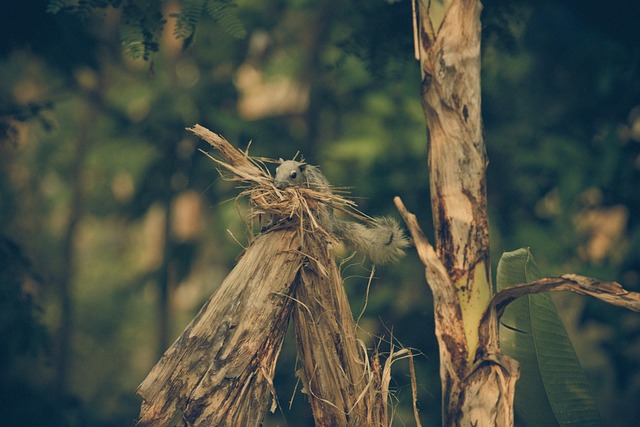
382	241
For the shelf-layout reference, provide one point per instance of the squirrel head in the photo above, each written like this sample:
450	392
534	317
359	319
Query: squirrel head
290	173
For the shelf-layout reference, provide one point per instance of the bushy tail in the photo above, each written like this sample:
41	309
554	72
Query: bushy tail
382	242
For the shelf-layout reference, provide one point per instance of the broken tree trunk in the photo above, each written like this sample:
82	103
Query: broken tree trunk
219	372
342	388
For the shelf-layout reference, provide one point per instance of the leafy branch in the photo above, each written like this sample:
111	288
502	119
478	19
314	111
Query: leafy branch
142	25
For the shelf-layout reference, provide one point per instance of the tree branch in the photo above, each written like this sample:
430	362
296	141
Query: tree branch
445	299
610	292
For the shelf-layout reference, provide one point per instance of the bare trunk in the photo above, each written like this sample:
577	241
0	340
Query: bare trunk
220	370
341	387
478	384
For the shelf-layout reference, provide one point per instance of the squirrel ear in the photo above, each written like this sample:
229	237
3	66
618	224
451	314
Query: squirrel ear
302	167
280	160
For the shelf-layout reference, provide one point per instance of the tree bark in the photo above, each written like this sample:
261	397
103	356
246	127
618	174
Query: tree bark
478	383
219	372
343	388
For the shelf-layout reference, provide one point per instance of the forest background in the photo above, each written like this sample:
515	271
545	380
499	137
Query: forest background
114	228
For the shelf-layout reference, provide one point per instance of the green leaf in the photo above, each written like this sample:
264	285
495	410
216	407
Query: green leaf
140	30
187	21
223	12
553	388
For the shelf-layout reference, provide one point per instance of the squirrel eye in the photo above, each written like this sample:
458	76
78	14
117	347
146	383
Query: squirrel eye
293	175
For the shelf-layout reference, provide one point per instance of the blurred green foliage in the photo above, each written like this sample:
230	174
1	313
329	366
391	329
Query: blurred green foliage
103	191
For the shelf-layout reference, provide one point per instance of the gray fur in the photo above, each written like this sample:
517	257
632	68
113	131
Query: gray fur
382	242
292	173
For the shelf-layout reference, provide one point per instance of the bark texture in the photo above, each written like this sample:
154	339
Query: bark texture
342	387
457	158
219	372
478	384
475	394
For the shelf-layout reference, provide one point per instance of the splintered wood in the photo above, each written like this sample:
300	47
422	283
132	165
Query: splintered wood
343	389
219	372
